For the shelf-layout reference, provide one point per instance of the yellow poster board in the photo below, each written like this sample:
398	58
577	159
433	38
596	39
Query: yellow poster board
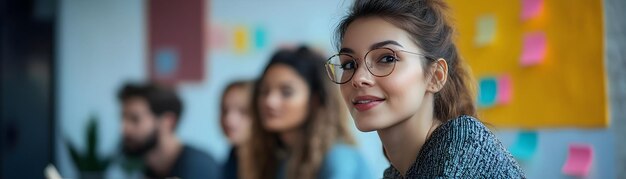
567	89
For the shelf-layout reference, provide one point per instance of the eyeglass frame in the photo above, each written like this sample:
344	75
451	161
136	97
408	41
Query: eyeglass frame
356	64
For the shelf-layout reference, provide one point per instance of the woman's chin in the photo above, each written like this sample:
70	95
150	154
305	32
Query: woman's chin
366	126
367	122
366	129
273	126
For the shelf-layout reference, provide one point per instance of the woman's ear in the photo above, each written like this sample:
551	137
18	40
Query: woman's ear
439	71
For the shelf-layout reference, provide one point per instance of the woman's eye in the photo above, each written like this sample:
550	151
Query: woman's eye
387	59
348	66
286	92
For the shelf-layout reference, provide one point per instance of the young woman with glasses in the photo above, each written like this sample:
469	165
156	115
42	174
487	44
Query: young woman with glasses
400	75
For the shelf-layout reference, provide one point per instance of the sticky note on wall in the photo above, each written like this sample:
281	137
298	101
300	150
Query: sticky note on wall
485	30
260	37
535	48
216	37
488	89
505	89
166	62
579	160
525	146
241	39
531	9
495	90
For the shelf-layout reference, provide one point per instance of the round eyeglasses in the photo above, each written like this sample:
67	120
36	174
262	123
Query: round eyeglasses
380	62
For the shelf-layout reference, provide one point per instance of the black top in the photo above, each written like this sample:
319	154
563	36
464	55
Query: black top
230	167
461	148
191	163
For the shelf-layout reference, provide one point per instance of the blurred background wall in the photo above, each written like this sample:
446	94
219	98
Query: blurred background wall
99	45
103	44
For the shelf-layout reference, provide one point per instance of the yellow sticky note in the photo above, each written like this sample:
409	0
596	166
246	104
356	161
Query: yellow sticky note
241	39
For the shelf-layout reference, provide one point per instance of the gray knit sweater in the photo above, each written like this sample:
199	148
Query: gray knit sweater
461	148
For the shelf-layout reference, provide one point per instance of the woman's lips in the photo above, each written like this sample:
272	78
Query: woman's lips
364	103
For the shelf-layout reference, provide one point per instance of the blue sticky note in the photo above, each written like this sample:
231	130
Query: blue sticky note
260	37
166	61
525	146
487	91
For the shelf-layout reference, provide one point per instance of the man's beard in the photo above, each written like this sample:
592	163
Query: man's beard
150	143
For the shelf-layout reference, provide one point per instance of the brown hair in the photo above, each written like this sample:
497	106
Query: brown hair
243	84
428	23
327	122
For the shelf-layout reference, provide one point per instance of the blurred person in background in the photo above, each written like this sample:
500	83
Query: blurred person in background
150	116
300	127
235	120
400	74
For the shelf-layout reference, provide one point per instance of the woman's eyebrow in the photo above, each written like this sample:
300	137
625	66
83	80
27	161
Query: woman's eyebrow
373	46
384	43
346	50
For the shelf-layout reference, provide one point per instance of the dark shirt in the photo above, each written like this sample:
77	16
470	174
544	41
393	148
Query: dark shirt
461	148
191	163
230	167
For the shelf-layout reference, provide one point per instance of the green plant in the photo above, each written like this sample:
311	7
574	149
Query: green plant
89	161
131	164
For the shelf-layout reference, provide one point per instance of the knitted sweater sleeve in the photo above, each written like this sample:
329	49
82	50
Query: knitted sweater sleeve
468	150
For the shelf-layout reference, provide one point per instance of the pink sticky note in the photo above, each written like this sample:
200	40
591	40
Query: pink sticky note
531	8
534	49
505	89
579	159
216	37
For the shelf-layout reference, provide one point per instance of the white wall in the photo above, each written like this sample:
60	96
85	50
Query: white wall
615	30
102	44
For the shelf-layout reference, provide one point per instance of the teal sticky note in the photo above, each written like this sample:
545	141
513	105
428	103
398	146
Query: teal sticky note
525	146
487	91
260	37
